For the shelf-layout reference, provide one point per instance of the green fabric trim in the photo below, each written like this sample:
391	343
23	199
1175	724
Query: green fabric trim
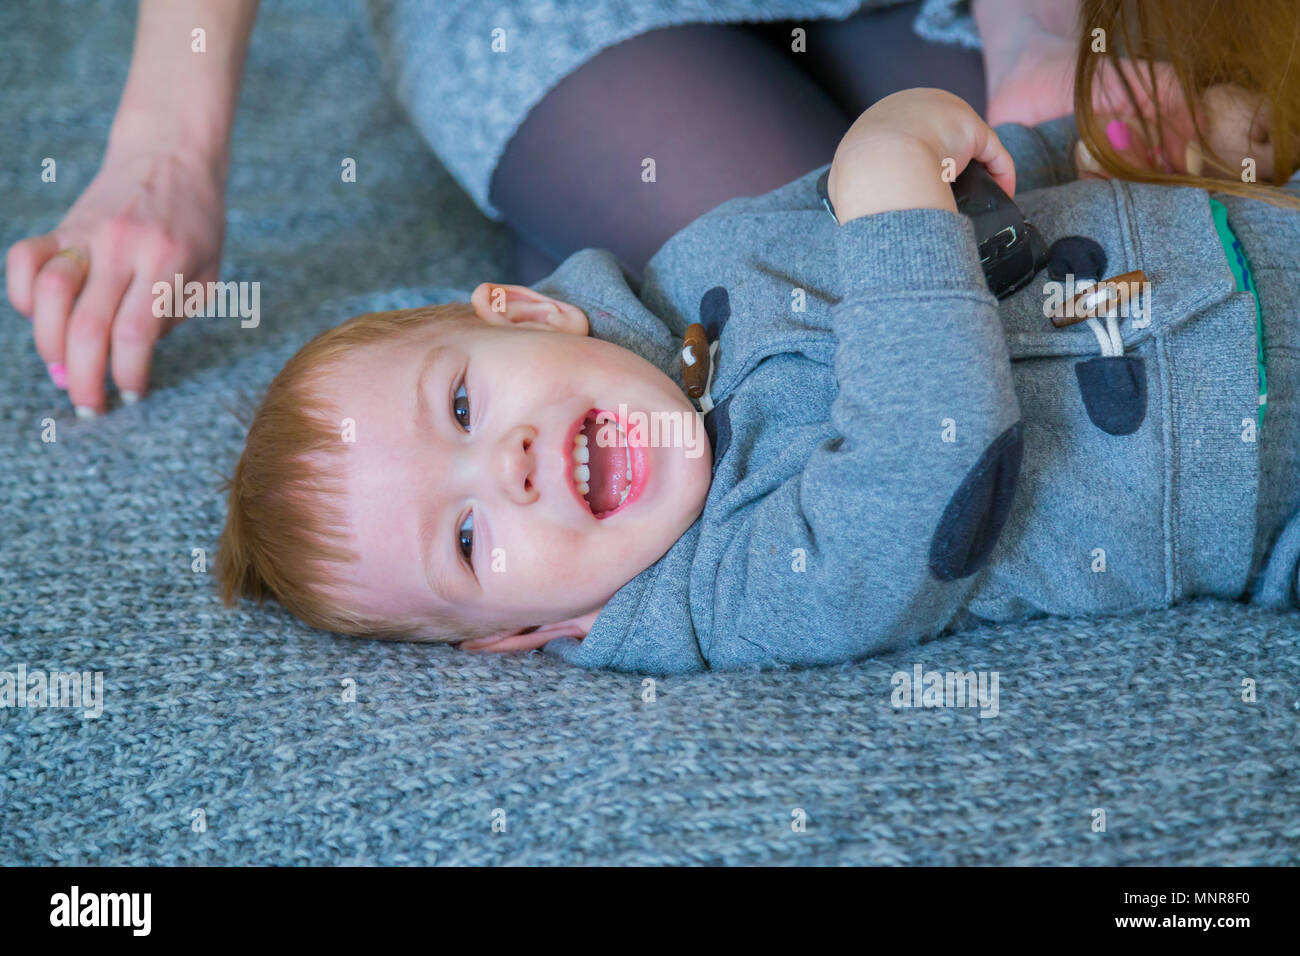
1245	283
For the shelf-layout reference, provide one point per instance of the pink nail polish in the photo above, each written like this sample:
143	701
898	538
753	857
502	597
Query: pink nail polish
1120	136
58	374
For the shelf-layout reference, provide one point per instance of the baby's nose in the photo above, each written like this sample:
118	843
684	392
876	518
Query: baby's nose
515	464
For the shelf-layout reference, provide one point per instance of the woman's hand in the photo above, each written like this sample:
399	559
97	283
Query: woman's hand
1233	121
1031	48
151	211
906	150
155	208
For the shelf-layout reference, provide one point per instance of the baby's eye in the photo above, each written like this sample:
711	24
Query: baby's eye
460	406
465	537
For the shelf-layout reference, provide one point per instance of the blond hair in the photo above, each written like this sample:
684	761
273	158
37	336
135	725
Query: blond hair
1208	43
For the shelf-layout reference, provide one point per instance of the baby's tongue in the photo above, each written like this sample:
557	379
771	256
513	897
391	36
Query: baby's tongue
608	466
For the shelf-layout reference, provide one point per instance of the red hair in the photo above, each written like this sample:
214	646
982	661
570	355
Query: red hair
286	535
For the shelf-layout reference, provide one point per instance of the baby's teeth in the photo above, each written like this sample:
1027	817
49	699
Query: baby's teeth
580	439
581	454
582	473
583	487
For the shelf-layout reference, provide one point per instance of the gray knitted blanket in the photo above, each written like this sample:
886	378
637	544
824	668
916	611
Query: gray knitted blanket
233	737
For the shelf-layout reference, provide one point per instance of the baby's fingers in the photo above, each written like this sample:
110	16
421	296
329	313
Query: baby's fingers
990	151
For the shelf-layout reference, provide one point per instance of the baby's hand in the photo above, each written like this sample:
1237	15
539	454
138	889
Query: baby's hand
906	150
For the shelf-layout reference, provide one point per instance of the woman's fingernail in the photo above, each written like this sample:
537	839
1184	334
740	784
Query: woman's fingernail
130	398
85	411
1083	155
58	374
1194	159
1120	136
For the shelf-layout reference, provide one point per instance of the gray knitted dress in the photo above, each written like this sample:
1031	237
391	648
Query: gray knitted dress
469	72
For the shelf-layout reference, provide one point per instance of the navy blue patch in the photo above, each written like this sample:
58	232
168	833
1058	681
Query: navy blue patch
1114	390
977	511
1083	257
717	425
715	309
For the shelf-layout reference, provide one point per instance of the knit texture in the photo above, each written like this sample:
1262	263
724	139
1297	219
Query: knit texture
240	714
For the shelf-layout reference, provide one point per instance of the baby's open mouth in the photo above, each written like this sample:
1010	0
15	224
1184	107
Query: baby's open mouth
606	468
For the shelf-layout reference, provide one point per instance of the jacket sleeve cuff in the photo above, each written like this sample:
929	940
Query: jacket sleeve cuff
906	250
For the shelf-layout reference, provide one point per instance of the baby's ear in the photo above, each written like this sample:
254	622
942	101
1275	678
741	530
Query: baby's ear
520	306
529	638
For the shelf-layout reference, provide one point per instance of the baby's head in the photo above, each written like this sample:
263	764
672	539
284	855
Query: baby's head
417	474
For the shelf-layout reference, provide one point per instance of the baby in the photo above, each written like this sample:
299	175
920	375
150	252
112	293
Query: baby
879	450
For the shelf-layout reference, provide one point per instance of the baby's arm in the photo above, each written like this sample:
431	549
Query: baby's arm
874	543
905	152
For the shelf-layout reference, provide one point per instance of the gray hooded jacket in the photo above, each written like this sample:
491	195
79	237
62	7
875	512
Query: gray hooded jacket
898	454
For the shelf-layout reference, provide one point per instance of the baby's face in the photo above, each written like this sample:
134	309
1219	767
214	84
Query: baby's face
485	479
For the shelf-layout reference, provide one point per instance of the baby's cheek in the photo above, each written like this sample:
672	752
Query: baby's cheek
532	554
567	564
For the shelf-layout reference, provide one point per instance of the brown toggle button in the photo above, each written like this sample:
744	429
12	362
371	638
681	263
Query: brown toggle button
1117	288
695	360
